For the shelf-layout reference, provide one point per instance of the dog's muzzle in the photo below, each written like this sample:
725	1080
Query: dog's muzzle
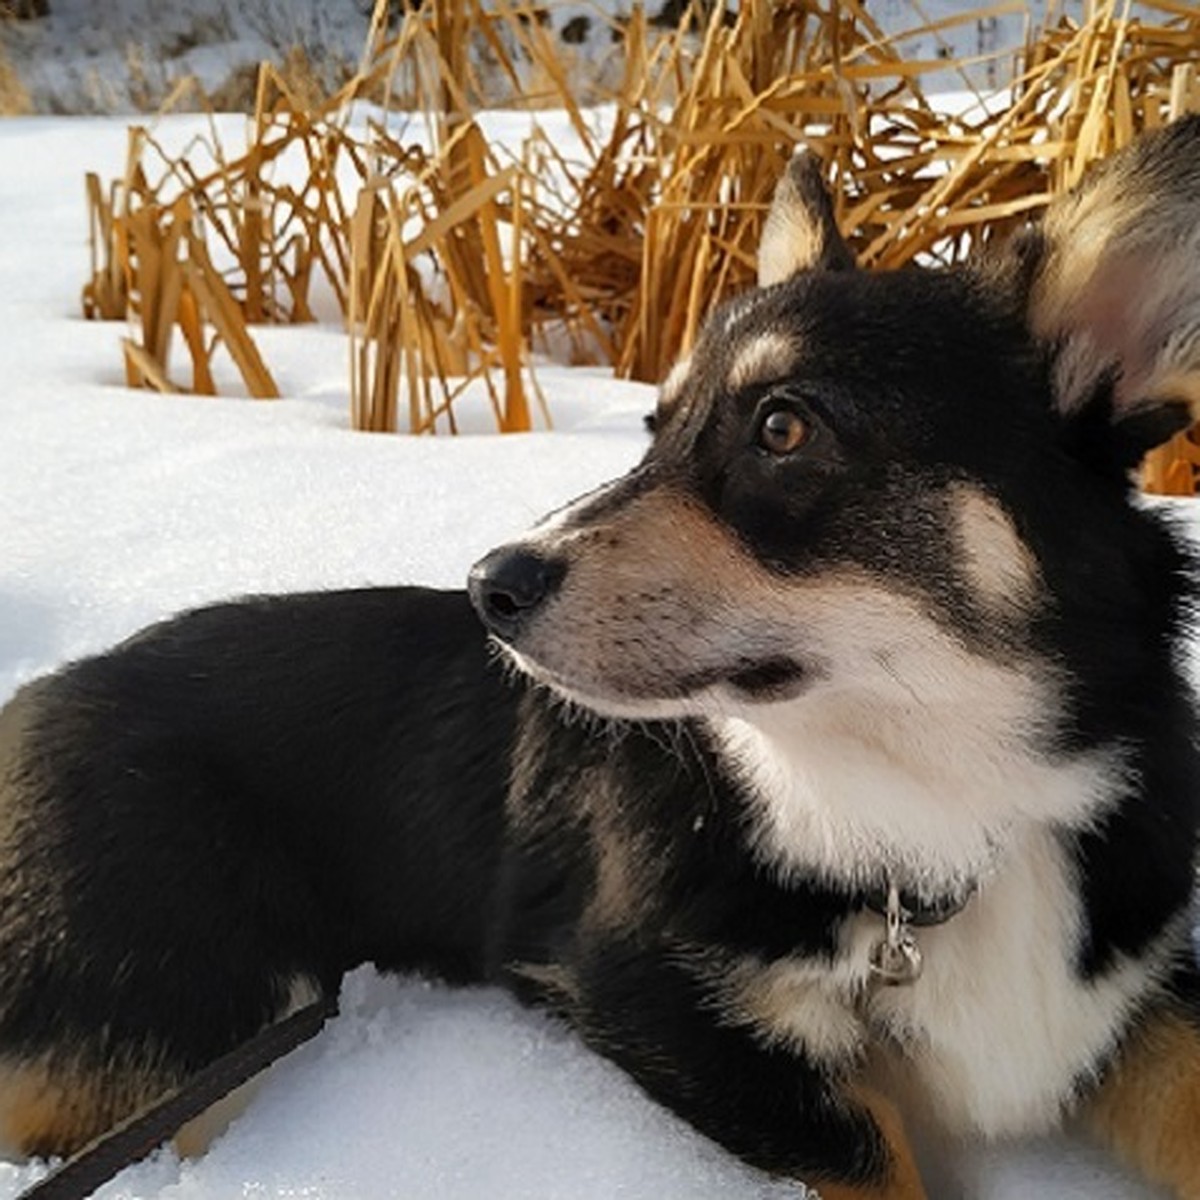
509	585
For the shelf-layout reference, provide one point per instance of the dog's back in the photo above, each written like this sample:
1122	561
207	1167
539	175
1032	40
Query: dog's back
211	823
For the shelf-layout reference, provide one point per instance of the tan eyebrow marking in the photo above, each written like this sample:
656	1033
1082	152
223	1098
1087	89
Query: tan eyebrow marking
763	358
672	386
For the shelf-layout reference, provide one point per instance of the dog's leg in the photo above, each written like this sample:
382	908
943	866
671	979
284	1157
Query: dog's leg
52	1107
649	1011
1148	1107
903	1180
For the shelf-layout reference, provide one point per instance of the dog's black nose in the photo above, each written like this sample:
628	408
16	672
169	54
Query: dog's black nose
508	585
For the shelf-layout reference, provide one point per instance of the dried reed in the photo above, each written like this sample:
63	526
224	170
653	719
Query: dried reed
450	262
15	100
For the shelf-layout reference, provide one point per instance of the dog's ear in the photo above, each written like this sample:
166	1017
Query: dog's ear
800	233
1112	288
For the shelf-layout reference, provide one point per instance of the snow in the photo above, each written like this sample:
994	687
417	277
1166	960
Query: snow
117	508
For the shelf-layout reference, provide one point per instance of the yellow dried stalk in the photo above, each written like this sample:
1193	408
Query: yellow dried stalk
175	283
274	235
106	294
154	237
630	248
373	318
191	325
400	336
660	223
215	301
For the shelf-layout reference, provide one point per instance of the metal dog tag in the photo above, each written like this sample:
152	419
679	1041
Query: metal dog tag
896	957
894	965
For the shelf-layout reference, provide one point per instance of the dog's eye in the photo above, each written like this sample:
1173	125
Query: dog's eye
782	431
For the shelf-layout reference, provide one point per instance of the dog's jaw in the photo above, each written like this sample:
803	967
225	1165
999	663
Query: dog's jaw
604	704
762	681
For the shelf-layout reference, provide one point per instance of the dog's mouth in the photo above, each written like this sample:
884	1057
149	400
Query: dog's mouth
760	681
604	701
772	679
763	680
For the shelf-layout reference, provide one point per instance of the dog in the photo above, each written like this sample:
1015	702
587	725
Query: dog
833	772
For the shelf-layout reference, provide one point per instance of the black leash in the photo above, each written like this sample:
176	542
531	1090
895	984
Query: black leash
134	1138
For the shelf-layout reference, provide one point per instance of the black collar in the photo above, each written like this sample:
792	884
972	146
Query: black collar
921	913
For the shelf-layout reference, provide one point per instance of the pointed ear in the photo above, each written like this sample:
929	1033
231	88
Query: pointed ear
800	233
1113	280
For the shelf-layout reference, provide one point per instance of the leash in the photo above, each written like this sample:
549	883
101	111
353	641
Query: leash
135	1137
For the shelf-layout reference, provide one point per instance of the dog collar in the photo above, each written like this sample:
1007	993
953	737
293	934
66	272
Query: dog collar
918	912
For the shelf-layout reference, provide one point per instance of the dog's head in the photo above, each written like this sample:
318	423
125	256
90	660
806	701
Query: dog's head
891	491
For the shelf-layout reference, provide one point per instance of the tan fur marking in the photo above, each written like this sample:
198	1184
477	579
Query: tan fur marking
623	875
998	564
620	885
48	1111
800	230
553	977
609	623
1083	229
625	621
1148	1109
47	1108
52	1106
672	386
762	359
903	1181
789	1002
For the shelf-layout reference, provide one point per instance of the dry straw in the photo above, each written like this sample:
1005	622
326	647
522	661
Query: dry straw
15	100
451	257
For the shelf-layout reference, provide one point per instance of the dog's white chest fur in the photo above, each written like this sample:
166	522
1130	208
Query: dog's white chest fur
1000	1027
995	1035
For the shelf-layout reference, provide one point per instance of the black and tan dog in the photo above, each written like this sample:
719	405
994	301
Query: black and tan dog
848	780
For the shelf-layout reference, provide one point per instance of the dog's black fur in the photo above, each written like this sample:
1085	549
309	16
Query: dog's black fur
236	806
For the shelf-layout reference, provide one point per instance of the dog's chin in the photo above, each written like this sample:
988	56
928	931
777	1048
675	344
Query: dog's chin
604	702
768	681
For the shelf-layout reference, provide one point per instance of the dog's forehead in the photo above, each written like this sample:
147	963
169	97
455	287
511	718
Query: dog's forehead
752	339
874	332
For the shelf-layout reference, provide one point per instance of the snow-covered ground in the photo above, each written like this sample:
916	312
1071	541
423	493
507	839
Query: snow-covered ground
118	507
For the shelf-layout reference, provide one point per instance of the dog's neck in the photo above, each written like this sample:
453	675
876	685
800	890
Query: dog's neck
931	805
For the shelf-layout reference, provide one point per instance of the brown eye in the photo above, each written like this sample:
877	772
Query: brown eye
782	431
